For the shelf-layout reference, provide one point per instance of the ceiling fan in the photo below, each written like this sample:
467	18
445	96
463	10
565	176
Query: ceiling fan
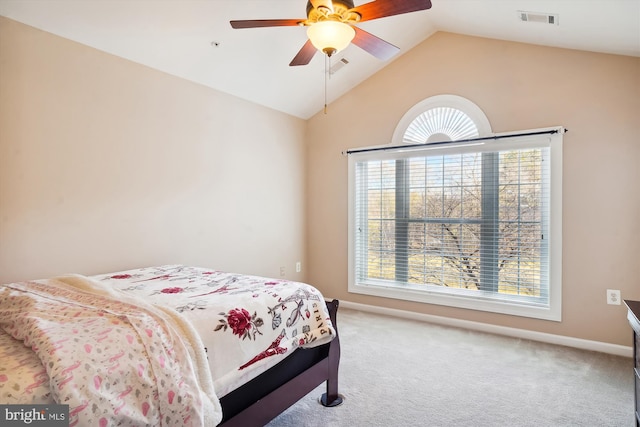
331	26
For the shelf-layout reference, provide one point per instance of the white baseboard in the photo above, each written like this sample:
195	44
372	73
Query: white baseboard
618	350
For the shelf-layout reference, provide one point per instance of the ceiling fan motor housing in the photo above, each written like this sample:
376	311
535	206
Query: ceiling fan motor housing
339	8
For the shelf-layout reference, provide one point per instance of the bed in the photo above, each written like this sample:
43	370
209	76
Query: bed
167	345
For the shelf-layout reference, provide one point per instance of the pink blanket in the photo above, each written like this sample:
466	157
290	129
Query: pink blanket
112	361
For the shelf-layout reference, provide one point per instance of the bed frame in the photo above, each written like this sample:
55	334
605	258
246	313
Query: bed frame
268	395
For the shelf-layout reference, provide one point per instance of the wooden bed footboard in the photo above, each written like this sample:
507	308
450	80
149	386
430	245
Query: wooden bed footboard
268	395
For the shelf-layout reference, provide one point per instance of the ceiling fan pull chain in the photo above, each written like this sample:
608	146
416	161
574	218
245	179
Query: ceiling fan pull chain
327	67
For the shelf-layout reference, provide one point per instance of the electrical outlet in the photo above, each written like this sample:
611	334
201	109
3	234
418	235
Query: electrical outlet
282	271
613	296
298	267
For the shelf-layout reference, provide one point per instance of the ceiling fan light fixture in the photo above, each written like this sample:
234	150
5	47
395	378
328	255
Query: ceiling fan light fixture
330	37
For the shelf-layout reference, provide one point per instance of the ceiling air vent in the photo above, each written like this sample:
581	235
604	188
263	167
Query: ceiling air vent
337	66
545	18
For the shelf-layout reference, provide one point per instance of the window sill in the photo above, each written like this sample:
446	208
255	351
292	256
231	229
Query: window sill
461	300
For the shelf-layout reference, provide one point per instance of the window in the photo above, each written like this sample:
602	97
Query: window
472	224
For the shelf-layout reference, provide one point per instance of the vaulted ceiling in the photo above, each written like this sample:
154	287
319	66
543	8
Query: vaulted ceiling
192	39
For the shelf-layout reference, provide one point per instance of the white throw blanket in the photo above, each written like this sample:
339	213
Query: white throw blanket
114	360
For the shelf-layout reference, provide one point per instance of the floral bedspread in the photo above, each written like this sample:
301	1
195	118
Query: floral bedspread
113	361
246	323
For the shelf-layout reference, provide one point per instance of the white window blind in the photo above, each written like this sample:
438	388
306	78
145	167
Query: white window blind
462	224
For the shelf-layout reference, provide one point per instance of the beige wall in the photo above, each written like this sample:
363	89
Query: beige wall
518	86
106	164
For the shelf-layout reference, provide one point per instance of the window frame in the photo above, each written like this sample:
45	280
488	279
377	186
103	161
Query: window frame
474	300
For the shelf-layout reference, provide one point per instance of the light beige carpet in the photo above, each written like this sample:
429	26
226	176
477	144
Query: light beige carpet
397	372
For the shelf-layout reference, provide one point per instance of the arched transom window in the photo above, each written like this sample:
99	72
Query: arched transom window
440	124
441	118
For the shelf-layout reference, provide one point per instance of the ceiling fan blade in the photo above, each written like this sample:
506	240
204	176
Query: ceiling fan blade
257	23
374	45
380	8
305	54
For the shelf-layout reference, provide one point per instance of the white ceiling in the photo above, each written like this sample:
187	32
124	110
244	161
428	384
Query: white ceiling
175	36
